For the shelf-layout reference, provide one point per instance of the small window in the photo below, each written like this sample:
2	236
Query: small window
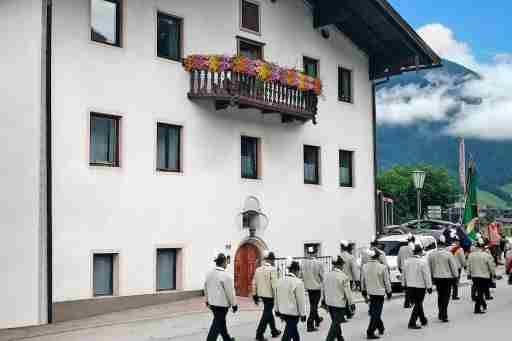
104	143
250	148
250	49
103	274
250	16
346	168
168	147
166	269
169	30
344	85
311	165
316	247
310	67
106	21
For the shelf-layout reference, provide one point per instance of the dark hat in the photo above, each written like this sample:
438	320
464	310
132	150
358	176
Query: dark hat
270	256
338	261
220	258
418	249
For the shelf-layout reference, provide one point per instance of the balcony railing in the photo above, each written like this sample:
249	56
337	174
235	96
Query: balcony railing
246	83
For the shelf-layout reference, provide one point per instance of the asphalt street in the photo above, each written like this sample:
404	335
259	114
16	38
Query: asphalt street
463	325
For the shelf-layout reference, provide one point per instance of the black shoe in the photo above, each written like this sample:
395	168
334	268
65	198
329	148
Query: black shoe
456	298
276	333
381	331
424	323
407	306
413	326
311	330
320	320
479	312
490	298
260	339
372	337
445	320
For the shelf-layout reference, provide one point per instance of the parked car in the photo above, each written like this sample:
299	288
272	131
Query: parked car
391	245
434	228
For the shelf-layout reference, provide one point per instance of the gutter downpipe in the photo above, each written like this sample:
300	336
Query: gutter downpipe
49	184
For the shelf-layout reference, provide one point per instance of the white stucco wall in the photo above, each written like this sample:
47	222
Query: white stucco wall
132	209
21	287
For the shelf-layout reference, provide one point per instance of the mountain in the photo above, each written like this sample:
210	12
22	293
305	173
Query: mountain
427	142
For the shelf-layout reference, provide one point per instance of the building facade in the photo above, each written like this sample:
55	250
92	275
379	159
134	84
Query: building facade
128	185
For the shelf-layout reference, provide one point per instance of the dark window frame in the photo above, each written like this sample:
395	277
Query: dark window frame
180	20
180	166
351	167
113	274
316	245
175	284
317	149
247	29
256	169
254	43
117	119
119	24
347	98
308	60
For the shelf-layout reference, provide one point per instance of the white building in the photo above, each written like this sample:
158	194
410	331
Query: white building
117	187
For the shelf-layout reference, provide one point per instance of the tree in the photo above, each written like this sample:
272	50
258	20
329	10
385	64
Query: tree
440	189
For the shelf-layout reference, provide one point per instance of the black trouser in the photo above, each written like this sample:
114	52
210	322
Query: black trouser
314	300
487	291
376	306
444	286
219	324
455	285
407	300
337	317
267	319
417	296
290	331
480	285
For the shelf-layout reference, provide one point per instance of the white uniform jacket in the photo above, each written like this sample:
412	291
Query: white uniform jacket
219	288
350	267
290	296
337	291
312	273
375	278
264	282
481	265
416	273
404	253
442	264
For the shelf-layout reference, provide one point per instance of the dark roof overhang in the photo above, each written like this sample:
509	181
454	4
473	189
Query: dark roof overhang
392	45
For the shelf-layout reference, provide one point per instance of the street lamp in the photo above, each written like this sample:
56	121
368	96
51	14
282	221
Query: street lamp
418	177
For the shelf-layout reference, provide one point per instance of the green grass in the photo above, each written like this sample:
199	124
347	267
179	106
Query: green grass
490	200
507	188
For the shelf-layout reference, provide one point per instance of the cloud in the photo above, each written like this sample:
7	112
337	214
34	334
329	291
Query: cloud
451	100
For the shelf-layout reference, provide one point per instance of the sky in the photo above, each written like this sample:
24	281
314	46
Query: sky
484	25
471	33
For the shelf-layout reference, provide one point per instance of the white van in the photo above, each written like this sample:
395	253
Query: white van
391	245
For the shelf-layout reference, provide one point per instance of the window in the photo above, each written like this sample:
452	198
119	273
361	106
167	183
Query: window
311	165
169	30
250	16
168	147
103	274
346	168
166	269
344	85
250	49
104	143
250	147
310	66
316	247
106	21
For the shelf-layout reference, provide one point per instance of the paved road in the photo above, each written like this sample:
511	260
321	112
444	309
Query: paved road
464	323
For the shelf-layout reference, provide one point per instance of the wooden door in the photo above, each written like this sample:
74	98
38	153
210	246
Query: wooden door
246	260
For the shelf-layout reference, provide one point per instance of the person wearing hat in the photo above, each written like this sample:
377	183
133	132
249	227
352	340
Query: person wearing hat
337	298
481	269
313	275
264	284
291	301
458	252
406	252
220	296
444	270
418	280
382	255
350	267
375	284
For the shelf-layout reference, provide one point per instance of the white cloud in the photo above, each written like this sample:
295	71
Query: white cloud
490	119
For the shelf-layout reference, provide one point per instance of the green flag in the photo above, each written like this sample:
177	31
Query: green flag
471	206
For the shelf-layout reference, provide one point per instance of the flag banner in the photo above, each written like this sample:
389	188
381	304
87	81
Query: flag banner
470	218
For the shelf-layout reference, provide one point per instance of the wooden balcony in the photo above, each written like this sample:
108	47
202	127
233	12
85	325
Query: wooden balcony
229	88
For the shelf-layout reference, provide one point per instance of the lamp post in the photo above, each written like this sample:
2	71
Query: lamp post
418	177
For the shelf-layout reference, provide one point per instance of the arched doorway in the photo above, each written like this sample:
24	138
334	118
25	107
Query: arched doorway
246	261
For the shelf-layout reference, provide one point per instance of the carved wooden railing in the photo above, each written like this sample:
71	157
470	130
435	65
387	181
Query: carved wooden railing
232	88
